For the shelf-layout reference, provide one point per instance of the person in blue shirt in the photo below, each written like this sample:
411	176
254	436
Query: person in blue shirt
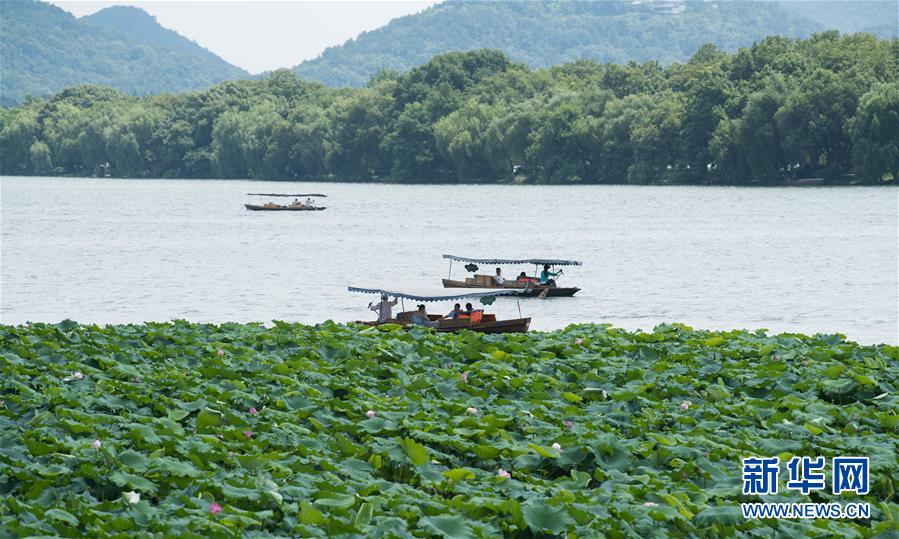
454	314
546	276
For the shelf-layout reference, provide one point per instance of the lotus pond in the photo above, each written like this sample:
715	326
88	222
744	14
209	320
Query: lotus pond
332	430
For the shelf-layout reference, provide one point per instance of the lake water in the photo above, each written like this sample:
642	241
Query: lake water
108	251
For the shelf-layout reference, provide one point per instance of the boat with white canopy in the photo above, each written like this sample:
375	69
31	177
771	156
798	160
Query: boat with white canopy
301	202
530	286
476	320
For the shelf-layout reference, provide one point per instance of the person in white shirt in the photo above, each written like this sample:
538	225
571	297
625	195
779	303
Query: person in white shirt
498	279
309	202
384	308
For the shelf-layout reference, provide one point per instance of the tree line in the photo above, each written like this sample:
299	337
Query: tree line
782	109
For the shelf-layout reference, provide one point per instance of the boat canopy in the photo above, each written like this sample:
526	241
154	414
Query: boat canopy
283	195
438	294
518	261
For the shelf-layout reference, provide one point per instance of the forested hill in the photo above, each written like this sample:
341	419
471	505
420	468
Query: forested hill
543	34
45	49
782	109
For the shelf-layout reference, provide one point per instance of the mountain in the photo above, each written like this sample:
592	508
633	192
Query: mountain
543	34
45	49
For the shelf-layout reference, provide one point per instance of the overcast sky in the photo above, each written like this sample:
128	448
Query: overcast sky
260	36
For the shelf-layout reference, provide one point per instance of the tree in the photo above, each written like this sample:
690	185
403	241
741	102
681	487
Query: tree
875	133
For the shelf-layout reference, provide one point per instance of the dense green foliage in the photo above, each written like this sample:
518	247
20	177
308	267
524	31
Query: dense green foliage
778	110
548	33
45	49
328	430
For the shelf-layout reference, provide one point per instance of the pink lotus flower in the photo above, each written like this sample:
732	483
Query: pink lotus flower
78	375
569	424
557	446
371	413
504	474
464	377
215	508
471	410
685	405
650	504
220	352
248	433
579	341
252	410
96	445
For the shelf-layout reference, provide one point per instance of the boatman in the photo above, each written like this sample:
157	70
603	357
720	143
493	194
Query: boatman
546	276
384	308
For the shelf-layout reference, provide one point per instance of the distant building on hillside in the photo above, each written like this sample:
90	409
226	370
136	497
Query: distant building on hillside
667	7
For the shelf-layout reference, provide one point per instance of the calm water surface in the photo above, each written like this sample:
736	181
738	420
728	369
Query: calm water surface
107	251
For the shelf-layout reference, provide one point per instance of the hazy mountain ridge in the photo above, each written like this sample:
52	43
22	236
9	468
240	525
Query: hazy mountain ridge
45	49
542	34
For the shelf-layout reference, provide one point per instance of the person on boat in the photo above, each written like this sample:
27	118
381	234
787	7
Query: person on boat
455	313
468	309
420	317
546	276
498	279
523	276
384	308
309	202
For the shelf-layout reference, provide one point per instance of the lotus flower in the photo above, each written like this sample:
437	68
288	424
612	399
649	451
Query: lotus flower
504	474
557	446
132	497
248	433
78	375
252	410
685	405
215	508
579	341
370	414
805	363
96	445
650	504
464	377
776	358
569	424
220	352
471	410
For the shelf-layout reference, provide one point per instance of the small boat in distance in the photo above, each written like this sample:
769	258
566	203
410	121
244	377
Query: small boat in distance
477	320
529	286
296	205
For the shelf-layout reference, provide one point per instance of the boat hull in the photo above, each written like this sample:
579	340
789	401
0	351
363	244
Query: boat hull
529	292
254	207
514	325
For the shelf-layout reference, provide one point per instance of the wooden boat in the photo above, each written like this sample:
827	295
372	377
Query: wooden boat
271	206
479	321
529	287
276	207
512	325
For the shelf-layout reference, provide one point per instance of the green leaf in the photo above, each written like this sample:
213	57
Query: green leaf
726	515
446	526
458	474
363	516
416	452
541	517
136	482
134	460
62	516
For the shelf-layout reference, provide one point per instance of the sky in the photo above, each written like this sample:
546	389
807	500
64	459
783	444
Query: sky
266	35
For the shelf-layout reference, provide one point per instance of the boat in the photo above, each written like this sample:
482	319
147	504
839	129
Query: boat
529	286
478	321
300	206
